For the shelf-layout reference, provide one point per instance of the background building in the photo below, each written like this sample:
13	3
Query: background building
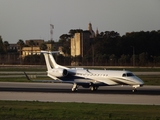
81	41
37	42
33	47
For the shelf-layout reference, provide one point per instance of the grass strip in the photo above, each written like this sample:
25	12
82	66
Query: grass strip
18	110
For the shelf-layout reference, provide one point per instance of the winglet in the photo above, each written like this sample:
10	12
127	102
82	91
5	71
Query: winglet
27	76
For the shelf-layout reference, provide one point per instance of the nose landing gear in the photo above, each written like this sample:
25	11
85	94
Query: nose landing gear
135	88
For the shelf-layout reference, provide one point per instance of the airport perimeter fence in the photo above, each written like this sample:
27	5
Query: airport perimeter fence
14	59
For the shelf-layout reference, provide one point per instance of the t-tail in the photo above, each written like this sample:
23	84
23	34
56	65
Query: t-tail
50	61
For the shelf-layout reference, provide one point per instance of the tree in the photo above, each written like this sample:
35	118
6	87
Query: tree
43	46
6	44
1	46
111	47
143	59
20	44
124	60
65	42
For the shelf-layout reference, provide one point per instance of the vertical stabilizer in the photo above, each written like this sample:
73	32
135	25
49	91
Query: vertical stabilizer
50	61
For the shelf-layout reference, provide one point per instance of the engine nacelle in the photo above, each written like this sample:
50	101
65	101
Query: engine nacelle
59	72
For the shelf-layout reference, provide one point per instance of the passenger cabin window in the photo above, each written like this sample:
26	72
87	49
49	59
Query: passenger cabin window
127	75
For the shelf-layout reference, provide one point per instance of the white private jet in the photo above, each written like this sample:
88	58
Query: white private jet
88	78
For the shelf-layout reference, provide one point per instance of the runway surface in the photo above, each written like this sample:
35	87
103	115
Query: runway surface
59	92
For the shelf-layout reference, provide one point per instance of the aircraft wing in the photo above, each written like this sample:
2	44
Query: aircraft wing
56	80
47	81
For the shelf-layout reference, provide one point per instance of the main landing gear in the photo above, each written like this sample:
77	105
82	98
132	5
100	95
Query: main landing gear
93	88
134	90
75	87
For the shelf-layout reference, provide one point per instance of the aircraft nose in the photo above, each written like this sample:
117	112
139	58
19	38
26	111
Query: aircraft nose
141	83
137	81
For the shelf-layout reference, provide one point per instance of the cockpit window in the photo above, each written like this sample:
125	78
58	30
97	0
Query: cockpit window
124	75
127	75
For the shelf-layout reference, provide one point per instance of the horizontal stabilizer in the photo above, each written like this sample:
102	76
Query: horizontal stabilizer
49	52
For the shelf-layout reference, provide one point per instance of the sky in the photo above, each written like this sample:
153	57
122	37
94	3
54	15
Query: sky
31	19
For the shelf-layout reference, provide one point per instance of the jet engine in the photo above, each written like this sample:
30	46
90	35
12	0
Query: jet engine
59	72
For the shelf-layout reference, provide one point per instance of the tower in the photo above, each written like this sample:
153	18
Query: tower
97	32
90	27
91	30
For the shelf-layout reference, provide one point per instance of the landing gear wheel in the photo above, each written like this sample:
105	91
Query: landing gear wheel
74	89
134	90
93	88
